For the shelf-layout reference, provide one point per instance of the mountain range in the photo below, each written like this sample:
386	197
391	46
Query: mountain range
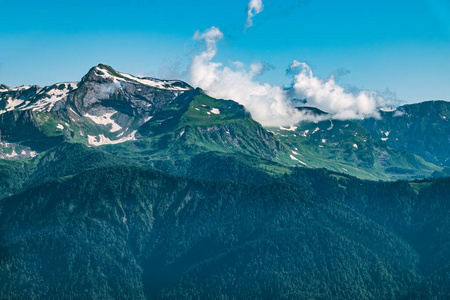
118	186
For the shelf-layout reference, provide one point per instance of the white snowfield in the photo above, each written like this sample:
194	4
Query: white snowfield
47	97
13	103
291	128
160	84
388	108
102	140
105	119
20	88
51	97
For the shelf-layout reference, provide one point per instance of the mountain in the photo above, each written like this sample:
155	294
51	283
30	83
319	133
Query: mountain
118	186
104	107
169	120
422	129
346	146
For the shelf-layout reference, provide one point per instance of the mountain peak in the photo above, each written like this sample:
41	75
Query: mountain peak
96	73
4	88
106	74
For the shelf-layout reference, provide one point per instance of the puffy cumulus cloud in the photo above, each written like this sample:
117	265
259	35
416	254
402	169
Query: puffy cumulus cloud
332	98
254	7
267	104
273	105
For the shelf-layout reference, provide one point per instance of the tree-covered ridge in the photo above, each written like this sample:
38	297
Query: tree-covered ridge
140	233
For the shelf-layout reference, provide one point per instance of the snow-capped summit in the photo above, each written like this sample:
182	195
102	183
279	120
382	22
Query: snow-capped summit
104	73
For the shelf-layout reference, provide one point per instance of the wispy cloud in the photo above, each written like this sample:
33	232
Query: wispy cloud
254	7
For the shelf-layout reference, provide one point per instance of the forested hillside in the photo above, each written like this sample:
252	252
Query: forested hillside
140	233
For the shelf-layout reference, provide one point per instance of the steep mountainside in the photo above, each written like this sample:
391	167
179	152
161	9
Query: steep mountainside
422	128
346	146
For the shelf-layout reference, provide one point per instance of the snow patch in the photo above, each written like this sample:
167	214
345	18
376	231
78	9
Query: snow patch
50	97
147	119
315	130
12	154
215	111
388	109
20	88
355	146
105	119
102	140
12	103
60	126
292	128
160	84
384	139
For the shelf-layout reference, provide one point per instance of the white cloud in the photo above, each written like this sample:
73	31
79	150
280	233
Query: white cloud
328	96
202	70
254	7
271	105
267	104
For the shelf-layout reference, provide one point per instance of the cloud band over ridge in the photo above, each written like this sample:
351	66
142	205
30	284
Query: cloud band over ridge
272	105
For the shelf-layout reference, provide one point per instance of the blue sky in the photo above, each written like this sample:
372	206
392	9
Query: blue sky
399	46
